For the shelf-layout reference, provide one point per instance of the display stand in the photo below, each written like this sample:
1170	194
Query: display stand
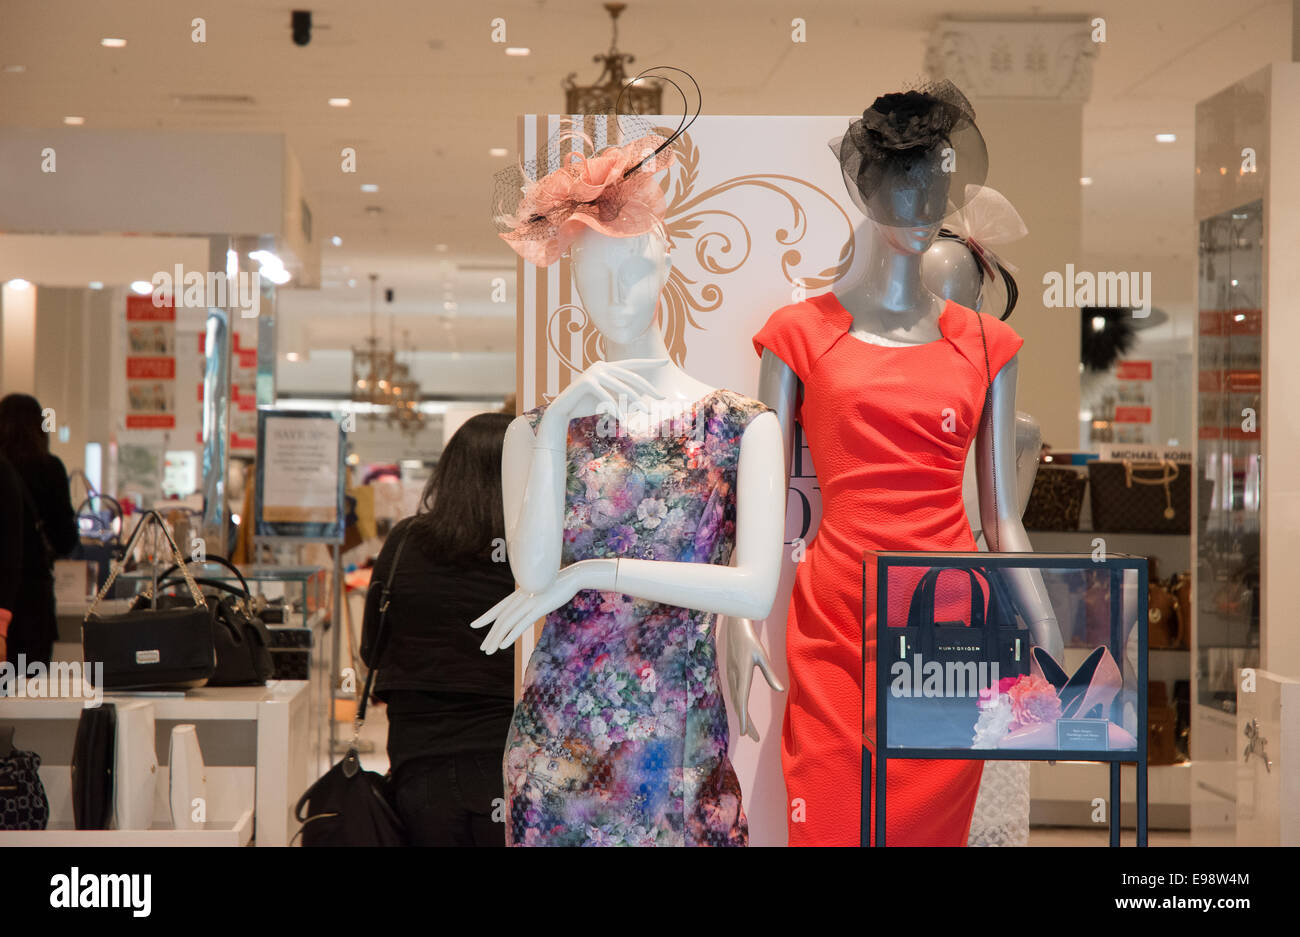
1126	575
258	754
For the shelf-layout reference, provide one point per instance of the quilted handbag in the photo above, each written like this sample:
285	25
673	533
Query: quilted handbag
23	804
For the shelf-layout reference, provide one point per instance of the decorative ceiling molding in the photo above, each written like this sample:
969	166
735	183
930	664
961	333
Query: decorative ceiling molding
1039	58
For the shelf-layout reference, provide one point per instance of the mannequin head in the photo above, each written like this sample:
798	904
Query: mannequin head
909	205
619	280
949	270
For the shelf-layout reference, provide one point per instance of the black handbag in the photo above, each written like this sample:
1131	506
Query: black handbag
242	642
157	646
350	806
965	652
23	804
93	754
996	638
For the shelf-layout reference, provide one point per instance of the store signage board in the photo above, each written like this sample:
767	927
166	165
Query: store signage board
150	364
300	476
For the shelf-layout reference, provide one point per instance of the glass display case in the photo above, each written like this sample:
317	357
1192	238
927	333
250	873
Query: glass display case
954	666
1229	451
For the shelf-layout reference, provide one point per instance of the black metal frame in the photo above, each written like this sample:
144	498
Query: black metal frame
1117	564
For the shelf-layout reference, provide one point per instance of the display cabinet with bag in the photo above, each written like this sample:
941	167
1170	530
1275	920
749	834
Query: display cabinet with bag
952	669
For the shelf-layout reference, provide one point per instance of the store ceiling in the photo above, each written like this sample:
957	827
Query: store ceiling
431	94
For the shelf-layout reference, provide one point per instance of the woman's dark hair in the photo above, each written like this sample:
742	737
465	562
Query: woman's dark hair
460	511
22	435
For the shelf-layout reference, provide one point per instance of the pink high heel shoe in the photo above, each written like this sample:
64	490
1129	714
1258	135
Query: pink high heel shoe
1088	693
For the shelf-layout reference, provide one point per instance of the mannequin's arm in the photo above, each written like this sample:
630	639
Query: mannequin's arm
995	472
778	387
533	472
748	588
745	589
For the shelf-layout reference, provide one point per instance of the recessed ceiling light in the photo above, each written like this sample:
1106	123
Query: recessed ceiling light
74	121
449	307
336	241
109	42
352	281
1085	180
340	102
96	284
18	283
369	187
518	50
142	287
498	151
1166	137
291	356
15	69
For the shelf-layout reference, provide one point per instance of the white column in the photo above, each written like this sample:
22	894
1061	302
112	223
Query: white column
1028	81
17	338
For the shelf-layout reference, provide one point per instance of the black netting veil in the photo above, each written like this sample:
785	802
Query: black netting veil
913	156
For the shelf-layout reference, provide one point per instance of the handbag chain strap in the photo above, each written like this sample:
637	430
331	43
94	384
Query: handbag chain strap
993	437
147	519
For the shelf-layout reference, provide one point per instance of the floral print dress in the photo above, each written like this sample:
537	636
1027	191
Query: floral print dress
620	737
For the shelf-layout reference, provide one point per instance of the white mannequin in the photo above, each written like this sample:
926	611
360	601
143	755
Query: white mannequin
619	280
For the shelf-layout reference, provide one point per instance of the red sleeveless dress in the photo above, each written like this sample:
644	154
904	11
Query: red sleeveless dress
888	430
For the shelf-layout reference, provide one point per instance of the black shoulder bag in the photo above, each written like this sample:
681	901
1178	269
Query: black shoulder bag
349	806
152	646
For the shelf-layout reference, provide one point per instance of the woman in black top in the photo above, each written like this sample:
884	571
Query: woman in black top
449	704
49	526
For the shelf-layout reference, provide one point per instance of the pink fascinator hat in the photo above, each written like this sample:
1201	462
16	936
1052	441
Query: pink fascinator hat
581	181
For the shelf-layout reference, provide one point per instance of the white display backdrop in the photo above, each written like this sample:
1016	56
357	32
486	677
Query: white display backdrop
757	217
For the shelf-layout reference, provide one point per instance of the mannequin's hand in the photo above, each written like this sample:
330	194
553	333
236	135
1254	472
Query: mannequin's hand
520	609
603	387
744	652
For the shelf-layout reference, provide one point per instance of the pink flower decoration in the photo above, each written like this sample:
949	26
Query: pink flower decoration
590	192
1034	700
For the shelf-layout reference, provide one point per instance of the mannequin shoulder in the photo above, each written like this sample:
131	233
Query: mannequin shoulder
739	408
802	332
975	332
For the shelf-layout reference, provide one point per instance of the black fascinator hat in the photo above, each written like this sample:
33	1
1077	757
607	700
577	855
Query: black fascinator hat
913	156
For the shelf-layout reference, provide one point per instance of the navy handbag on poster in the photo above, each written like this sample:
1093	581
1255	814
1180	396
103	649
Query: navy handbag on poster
960	653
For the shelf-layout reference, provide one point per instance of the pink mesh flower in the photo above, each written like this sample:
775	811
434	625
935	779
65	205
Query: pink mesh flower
1034	700
597	192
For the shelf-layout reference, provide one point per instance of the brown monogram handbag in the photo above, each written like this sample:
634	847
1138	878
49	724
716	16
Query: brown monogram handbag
1056	499
1141	496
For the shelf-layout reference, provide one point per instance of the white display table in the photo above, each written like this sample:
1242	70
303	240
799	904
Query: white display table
258	744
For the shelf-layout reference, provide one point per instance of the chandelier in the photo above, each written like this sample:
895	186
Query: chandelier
404	407
644	97
382	385
373	367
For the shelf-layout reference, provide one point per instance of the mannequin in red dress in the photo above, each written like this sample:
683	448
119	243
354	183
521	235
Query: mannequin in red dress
891	385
